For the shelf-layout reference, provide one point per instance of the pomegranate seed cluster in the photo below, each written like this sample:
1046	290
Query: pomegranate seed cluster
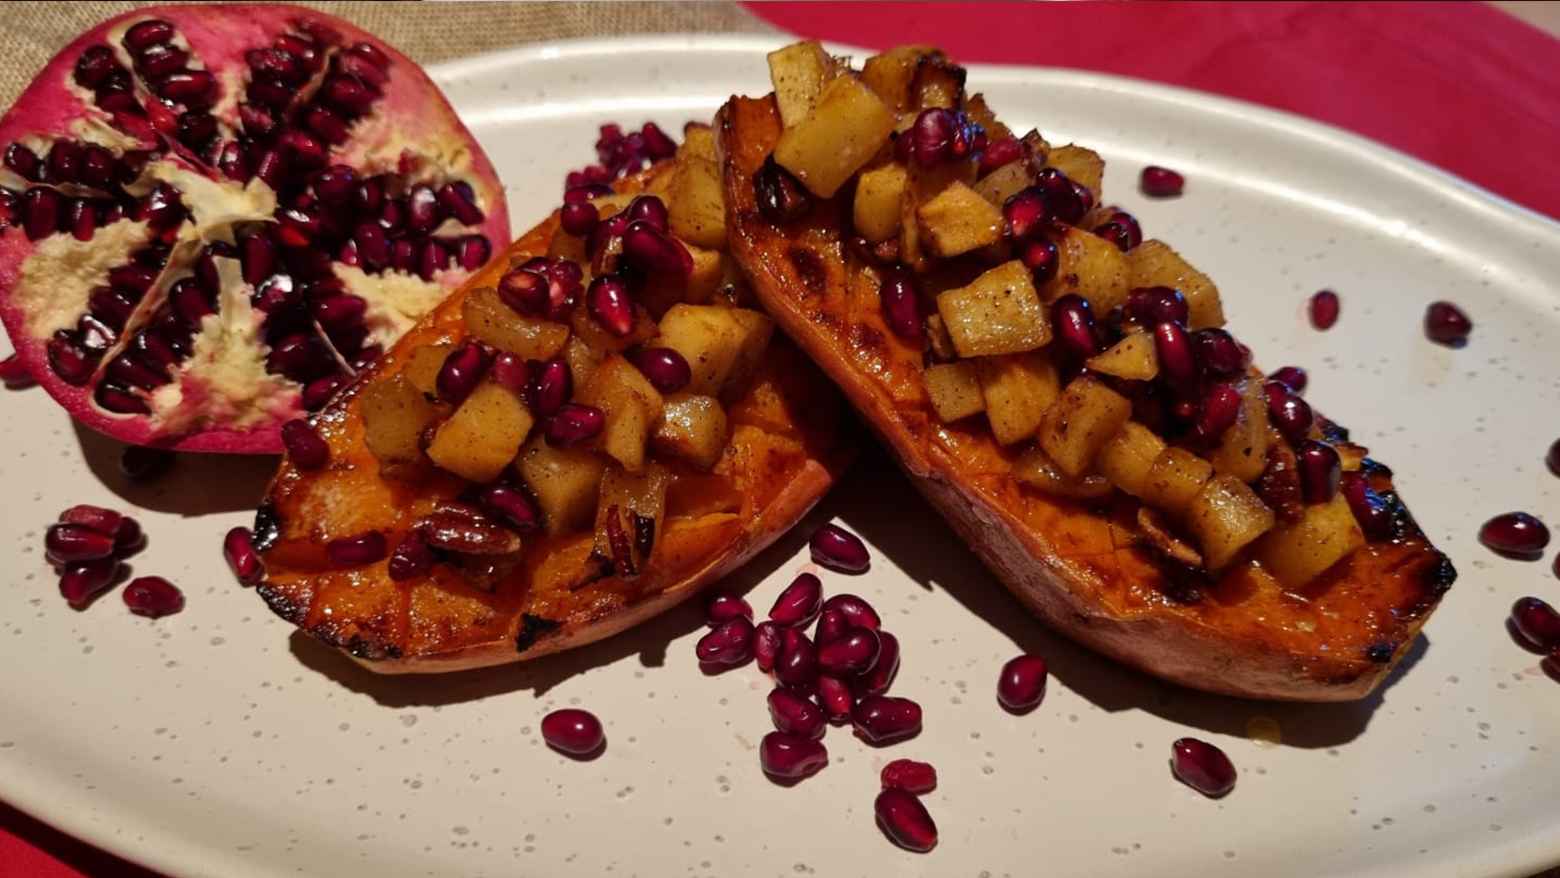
88	546
839	674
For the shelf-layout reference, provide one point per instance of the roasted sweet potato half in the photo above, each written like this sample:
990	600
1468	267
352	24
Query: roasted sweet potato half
1061	390
580	438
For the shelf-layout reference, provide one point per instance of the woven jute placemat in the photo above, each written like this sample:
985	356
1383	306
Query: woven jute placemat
426	32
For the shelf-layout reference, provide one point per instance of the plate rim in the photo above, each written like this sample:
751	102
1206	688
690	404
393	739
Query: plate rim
177	857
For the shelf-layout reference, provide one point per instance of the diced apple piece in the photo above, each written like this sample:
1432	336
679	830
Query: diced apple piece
938	338
754	330
629	516
698	288
721	344
1035	468
1083	418
483	435
693	428
889	74
1298	552
581	359
937	82
1242	450
1128	457
845	128
1018	389
422	367
394	416
1082	166
1003	183
999	313
632	407
954	389
1175	478
1225	517
567	246
565	482
981	114
698	142
878	196
1091	267
1154	264
797	73
1132	358
695	205
493	323
958	220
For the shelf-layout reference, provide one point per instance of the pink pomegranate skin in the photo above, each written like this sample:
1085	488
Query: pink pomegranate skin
408	126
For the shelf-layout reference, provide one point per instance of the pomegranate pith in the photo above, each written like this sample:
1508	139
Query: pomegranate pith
217	206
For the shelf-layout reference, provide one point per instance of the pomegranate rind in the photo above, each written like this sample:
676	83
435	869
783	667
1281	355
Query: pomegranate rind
411	127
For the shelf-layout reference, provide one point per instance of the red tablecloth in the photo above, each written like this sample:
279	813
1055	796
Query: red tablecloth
1460	85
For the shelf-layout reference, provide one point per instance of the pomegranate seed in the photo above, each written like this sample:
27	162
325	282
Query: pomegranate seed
1370	509
1042	259
1218	411
857	612
1515	535
914	777
83	581
611	304
721	606
1320	471
511	506
1002	151
40	213
790	757
767	639
1064	199
1292	377
460	202
937	137
1157	182
304	446
239	550
1021	685
153	597
549	386
578	218
836	698
194	89
854	651
1552	458
358	550
525	291
1218	353
657	144
781	198
572	424
586	192
838	549
881	719
95	66
877	680
1151	306
1117	234
1202	766
317	393
461	372
731	643
831	624
655	252
799	603
14	375
795	715
573	732
1324	309
905	820
1445	323
1289	413
901	310
126	369
1025	214
472	252
139	462
411	559
71	543
796	664
666	369
650	209
96	517
1537	621
1073	321
351	96
146	34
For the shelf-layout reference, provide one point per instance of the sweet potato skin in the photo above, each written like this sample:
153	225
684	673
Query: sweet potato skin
791	440
1082	570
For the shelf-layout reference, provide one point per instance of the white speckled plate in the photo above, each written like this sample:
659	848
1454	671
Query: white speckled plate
219	743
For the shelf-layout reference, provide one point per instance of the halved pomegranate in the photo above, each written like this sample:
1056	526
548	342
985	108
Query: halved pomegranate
211	216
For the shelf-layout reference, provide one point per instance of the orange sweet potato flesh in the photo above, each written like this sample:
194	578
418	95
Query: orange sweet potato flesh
1085	572
791	439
